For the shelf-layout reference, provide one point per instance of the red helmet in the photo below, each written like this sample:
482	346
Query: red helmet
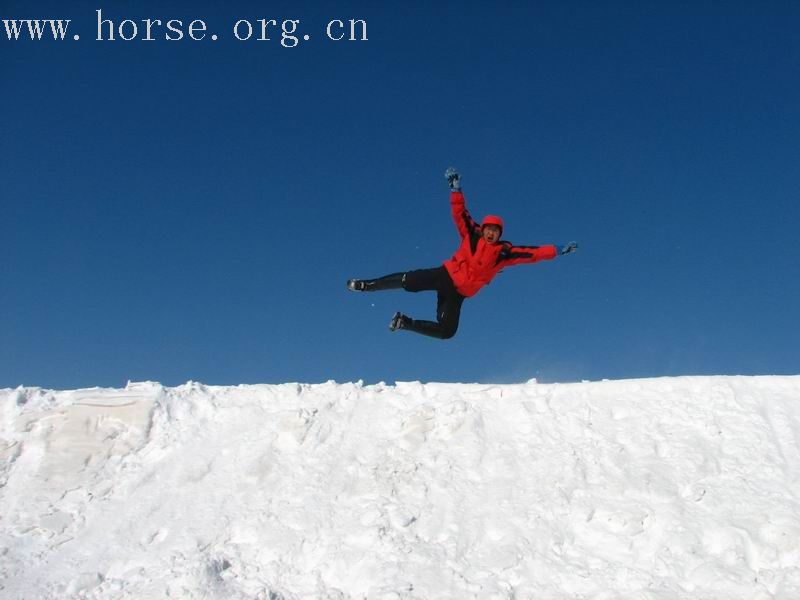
493	220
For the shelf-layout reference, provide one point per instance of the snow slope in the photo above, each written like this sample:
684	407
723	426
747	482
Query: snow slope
665	489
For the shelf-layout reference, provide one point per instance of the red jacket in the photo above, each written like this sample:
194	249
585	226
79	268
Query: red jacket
475	263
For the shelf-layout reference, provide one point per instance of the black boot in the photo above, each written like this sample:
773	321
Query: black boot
399	321
389	282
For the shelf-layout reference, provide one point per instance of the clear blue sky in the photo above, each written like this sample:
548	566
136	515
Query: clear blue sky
191	210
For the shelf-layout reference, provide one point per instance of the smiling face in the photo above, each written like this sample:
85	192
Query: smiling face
491	233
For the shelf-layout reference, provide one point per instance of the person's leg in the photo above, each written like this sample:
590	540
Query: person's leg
411	281
387	282
448	312
448	308
422	280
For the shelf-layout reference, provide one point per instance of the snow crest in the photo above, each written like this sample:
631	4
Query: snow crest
662	489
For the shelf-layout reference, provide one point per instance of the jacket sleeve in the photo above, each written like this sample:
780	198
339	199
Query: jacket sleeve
465	224
518	255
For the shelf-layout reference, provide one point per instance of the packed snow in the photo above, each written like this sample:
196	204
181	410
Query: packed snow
659	489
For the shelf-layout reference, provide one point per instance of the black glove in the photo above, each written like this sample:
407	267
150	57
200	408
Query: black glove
571	247
453	179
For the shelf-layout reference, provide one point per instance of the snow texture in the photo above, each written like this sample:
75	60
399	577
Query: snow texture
660	489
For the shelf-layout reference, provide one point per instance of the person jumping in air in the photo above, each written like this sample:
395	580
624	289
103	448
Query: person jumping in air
481	256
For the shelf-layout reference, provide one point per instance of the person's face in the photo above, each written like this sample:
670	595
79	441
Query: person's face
491	234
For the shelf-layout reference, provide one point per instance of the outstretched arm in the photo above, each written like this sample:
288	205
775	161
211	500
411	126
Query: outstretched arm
517	255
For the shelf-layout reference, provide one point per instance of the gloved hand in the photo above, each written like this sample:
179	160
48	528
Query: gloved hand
571	247
453	179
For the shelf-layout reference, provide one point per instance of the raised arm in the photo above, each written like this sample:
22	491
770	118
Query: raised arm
465	224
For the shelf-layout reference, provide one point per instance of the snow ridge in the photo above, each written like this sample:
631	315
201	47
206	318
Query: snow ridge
662	489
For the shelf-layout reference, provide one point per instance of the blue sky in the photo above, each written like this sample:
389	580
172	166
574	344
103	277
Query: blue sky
192	210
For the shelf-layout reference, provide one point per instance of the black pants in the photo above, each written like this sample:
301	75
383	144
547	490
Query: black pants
448	301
